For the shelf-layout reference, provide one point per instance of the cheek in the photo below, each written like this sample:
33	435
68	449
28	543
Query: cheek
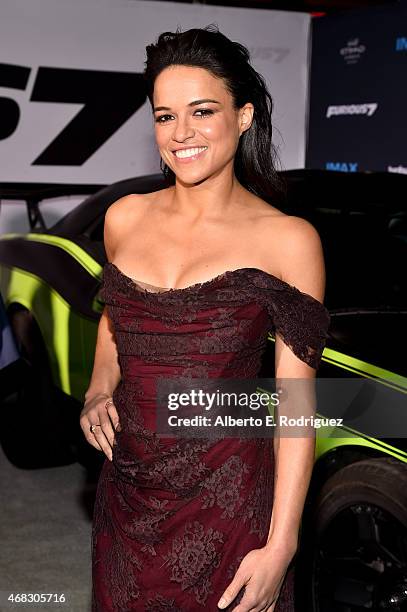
160	137
220	132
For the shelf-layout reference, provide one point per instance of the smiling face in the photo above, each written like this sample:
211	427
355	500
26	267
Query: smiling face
194	114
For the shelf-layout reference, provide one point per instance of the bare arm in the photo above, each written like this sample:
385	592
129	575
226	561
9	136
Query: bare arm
99	408
263	570
294	456
106	370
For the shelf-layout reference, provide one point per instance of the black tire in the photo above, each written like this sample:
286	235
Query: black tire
353	550
34	431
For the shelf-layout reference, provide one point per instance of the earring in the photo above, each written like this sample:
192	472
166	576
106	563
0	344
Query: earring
165	170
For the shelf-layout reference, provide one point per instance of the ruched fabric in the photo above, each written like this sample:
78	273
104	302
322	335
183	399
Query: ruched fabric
173	519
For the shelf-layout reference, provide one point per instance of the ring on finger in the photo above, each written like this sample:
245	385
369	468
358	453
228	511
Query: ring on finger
93	427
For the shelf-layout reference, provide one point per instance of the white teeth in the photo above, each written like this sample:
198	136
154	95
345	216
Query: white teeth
189	152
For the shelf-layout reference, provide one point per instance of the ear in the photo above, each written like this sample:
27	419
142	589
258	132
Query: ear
246	116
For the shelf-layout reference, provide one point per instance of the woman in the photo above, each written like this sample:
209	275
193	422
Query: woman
197	275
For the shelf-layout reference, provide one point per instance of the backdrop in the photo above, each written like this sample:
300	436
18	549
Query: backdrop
73	108
358	96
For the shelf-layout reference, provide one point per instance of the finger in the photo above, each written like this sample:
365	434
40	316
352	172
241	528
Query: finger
231	591
247	605
113	414
93	442
103	442
106	427
85	425
90	436
270	606
252	603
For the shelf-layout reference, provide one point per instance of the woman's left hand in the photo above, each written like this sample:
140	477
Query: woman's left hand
262	572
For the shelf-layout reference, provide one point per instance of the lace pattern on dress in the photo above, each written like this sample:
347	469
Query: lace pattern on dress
193	557
176	516
299	318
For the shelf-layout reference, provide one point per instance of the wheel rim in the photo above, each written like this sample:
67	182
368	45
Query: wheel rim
361	562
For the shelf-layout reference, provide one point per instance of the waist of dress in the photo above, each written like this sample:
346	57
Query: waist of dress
135	369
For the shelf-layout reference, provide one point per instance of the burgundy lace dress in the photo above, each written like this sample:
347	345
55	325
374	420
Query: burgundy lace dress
173	521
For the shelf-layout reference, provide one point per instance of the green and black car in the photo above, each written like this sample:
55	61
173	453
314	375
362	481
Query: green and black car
353	553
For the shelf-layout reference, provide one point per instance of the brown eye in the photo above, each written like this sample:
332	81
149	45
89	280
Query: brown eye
158	120
206	111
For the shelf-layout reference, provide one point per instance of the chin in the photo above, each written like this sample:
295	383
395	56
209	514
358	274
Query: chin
186	181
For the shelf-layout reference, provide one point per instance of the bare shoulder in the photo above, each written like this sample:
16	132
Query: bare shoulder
289	231
298	233
125	206
300	253
121	219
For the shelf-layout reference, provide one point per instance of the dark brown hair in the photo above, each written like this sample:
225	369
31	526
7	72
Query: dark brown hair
256	157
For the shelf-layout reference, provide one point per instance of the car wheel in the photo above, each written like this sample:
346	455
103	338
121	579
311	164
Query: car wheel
354	540
33	432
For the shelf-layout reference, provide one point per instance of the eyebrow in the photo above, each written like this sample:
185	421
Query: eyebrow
193	103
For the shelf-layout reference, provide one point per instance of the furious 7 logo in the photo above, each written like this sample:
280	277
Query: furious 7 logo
352	109
108	99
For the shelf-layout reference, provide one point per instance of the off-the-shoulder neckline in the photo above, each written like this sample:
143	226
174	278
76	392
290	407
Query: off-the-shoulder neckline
172	291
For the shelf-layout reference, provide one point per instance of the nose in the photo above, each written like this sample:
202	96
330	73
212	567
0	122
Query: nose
182	129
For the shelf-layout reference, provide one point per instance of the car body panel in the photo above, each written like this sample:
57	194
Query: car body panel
69	335
56	275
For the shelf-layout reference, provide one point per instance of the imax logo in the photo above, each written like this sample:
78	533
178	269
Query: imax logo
401	43
342	167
